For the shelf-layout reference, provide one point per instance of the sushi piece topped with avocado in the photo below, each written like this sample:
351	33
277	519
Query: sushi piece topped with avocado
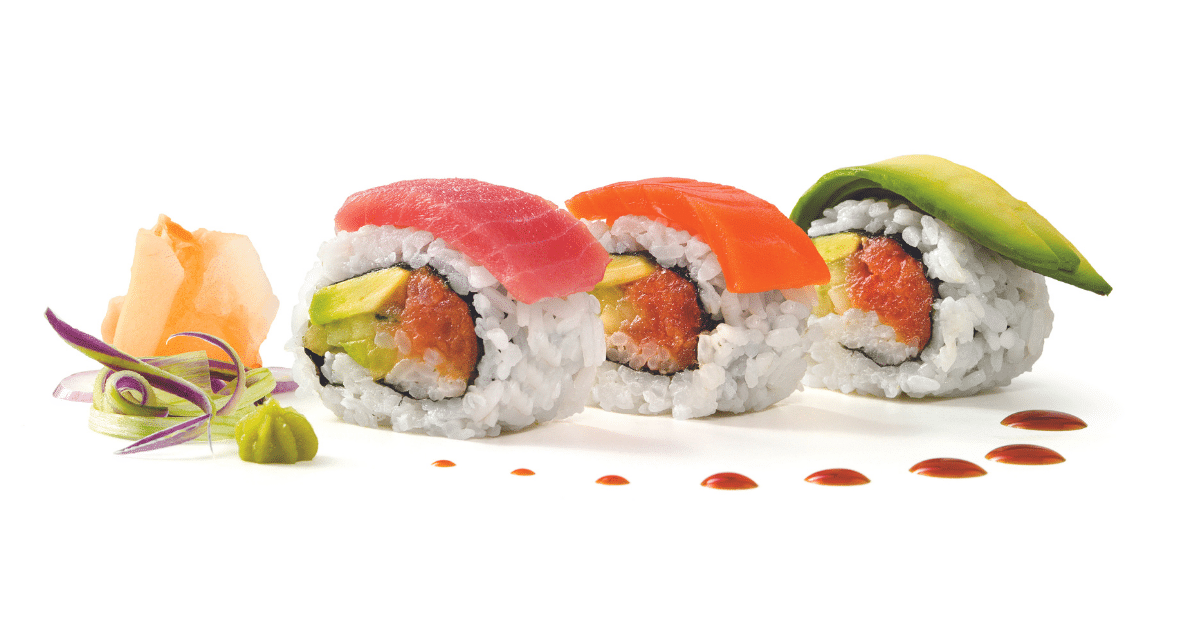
937	279
965	200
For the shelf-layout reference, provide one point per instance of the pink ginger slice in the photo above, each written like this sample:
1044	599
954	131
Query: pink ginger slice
205	281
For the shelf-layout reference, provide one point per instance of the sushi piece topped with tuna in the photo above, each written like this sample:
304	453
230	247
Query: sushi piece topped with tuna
937	279
528	243
705	300
453	307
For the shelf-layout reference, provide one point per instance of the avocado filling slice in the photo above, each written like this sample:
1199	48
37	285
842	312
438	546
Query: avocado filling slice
651	314
876	274
406	327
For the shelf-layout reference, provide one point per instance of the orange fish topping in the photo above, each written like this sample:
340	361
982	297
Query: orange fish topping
758	247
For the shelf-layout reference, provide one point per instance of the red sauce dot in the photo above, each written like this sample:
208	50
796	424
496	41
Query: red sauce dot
1044	420
443	463
612	480
522	472
837	477
1025	454
729	482
948	468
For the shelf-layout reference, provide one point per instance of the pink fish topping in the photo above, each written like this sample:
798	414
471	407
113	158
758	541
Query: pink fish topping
530	245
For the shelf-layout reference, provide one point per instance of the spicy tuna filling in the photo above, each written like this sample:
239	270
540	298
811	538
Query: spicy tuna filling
407	328
652	322
877	275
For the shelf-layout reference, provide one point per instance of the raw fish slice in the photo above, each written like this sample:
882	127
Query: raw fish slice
758	247
207	281
528	244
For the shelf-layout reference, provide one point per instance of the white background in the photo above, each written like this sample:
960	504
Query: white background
261	118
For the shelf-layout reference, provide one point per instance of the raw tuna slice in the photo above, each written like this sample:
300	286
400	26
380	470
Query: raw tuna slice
755	243
528	244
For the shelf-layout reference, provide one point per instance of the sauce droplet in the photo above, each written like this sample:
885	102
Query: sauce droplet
612	480
522	472
948	468
1044	420
837	477
1025	454
729	482
443	463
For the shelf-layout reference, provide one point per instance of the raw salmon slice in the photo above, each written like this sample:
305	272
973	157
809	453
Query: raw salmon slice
758	247
529	244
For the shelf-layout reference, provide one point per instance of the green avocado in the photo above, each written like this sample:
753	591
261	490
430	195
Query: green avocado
623	269
358	295
837	246
965	200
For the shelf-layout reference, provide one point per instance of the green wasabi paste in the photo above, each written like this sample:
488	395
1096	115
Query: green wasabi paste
275	434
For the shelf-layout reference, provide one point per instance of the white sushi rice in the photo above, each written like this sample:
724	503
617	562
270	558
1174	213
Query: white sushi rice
751	360
538	361
990	316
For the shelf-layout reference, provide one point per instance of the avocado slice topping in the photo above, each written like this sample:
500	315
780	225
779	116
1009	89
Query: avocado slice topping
965	200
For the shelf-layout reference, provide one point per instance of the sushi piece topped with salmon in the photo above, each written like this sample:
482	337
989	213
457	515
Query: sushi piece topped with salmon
452	307
753	241
704	301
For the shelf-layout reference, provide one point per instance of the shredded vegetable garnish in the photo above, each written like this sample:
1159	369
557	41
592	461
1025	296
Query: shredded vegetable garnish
78	386
130	393
164	401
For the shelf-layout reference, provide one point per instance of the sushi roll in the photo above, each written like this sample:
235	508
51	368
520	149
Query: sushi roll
452	307
705	300
937	279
